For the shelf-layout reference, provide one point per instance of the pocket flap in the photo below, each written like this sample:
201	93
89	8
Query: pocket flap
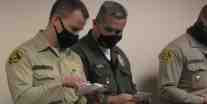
100	70
197	66
43	75
126	71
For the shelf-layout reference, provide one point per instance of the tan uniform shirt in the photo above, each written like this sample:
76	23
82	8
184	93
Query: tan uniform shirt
183	72
35	73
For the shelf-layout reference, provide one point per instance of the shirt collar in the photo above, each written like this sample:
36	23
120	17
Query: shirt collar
102	48
42	43
41	40
196	44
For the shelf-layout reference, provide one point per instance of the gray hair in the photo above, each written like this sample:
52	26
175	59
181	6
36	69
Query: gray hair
203	16
111	8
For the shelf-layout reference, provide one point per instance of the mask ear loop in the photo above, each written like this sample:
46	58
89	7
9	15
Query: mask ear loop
61	23
55	29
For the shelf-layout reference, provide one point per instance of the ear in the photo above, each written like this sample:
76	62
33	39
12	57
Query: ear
95	27
94	21
55	21
94	24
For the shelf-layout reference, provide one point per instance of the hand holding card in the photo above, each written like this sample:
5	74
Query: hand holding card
143	97
90	88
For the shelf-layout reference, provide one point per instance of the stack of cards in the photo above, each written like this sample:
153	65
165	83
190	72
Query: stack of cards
90	88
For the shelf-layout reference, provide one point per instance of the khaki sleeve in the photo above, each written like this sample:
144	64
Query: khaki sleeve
170	70
20	80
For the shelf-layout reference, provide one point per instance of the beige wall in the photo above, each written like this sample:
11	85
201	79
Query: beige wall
151	25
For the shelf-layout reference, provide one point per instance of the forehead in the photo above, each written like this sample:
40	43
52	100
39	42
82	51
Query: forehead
75	13
115	23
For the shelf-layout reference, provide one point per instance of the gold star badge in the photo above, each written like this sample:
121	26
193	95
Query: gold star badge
166	56
15	56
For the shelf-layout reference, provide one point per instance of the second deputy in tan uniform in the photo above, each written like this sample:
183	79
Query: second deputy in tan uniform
183	66
44	70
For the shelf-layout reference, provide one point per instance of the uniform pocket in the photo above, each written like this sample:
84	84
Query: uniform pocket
56	102
125	81
102	74
126	72
194	67
42	74
100	70
198	74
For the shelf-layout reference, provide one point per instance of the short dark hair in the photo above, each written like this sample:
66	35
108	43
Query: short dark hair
203	16
111	8
61	7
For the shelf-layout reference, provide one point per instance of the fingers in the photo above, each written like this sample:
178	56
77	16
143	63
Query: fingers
127	97
74	82
130	102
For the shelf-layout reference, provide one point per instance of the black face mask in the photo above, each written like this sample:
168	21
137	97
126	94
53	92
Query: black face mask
66	38
199	32
109	41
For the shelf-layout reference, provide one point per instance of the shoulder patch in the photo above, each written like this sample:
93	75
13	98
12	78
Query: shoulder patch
16	56
166	56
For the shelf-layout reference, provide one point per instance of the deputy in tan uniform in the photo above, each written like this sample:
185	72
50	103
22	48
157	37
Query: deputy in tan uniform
44	70
183	66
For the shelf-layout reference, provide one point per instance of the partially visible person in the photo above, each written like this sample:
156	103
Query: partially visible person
183	66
